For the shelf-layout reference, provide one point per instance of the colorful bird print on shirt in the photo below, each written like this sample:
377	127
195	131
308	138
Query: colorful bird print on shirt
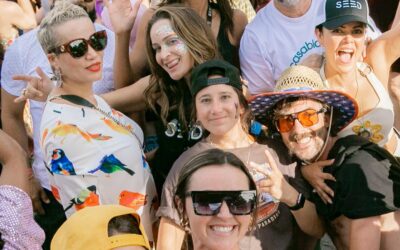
117	127
60	164
86	198
63	130
110	164
132	199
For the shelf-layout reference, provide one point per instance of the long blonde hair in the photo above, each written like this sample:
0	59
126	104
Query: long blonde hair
198	38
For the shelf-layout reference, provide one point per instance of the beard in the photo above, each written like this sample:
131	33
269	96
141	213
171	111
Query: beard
289	3
310	154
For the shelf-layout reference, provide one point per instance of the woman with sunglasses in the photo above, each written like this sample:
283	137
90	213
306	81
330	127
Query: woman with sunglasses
216	196
343	35
172	51
93	153
222	110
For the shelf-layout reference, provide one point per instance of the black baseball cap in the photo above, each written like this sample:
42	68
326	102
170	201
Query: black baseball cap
339	12
200	75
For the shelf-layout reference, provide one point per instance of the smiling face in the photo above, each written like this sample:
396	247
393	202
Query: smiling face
171	52
218	109
305	142
82	70
343	46
224	230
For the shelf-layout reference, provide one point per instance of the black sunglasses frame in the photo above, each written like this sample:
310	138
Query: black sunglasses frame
93	41
218	197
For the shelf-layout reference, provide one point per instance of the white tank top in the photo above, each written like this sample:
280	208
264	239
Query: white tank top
377	124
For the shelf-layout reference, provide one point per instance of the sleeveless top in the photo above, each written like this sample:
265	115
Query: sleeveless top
95	157
377	124
225	47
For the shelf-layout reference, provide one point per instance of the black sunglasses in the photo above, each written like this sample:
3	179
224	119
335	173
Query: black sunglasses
208	203
79	47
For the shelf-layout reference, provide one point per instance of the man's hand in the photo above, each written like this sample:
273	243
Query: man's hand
122	14
37	195
316	177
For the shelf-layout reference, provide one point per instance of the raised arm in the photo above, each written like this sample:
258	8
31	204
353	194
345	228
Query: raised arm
383	52
123	16
129	99
22	15
277	186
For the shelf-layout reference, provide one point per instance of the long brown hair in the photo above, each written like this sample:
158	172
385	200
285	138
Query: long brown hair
201	44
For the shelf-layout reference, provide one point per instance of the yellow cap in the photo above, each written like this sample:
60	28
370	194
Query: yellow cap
88	229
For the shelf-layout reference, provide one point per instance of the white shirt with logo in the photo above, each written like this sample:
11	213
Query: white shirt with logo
273	42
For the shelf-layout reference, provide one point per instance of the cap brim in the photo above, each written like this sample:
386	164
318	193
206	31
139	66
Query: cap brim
339	21
346	106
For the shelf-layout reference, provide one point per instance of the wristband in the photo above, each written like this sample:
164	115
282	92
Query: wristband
299	202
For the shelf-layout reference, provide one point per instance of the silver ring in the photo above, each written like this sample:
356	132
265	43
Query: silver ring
23	92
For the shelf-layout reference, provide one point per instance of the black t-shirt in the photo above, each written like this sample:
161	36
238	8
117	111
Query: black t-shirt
367	180
170	147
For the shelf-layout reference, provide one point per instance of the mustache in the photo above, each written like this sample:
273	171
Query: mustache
315	133
296	137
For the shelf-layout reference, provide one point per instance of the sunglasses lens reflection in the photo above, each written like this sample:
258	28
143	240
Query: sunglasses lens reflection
307	118
79	47
208	203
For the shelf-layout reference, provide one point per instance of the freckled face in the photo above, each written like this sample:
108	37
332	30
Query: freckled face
171	52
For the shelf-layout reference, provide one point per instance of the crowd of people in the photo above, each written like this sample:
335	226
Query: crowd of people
200	124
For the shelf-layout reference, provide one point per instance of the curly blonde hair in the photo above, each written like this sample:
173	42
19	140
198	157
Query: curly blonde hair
62	12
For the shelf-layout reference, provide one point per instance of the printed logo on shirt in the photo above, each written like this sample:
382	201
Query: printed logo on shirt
267	212
348	4
313	44
267	209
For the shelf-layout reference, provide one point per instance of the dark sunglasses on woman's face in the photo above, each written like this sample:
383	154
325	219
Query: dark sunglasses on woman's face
208	203
79	47
307	118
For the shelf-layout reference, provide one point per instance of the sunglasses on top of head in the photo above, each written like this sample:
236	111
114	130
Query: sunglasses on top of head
307	118
209	203
79	47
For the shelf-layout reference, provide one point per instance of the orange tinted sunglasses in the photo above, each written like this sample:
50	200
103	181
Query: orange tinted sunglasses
307	118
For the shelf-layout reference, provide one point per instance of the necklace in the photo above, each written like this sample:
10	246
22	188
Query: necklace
83	102
209	14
